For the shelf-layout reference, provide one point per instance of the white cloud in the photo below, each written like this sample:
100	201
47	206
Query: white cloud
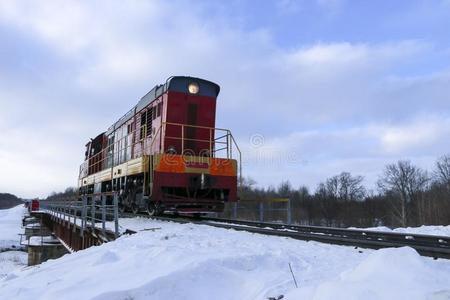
288	6
332	6
353	56
36	163
421	134
60	23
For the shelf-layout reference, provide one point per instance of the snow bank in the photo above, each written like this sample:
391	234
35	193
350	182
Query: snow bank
431	230
386	274
182	261
167	260
425	229
11	226
11	261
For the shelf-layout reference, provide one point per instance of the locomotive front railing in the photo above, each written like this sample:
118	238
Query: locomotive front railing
217	136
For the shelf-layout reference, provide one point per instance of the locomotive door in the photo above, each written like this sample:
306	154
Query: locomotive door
190	132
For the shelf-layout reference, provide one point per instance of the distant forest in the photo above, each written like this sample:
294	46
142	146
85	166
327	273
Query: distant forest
9	200
406	195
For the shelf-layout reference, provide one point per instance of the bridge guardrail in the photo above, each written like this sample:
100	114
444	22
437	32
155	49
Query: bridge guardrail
85	213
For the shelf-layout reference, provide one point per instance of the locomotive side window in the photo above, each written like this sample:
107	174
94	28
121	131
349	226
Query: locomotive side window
110	151
143	125
117	138
154	112
158	109
129	140
123	143
149	121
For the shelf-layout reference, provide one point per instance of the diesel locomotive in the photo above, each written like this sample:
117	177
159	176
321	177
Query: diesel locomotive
165	154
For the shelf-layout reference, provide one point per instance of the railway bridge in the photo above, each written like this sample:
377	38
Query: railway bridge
79	223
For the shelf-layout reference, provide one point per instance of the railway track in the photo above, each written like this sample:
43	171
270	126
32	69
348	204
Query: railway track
426	245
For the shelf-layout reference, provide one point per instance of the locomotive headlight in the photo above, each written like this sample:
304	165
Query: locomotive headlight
171	150
193	88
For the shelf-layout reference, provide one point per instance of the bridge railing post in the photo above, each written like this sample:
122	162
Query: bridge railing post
289	212
103	214
235	207
93	212
83	215
75	214
116	215
66	215
261	211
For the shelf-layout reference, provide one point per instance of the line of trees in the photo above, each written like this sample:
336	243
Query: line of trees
406	195
68	193
9	200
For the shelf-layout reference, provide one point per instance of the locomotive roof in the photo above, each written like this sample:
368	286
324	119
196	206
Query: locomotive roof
174	83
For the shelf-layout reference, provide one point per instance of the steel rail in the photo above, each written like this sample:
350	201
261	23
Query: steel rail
427	245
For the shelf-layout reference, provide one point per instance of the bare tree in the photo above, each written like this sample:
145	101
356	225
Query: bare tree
246	188
345	187
327	203
442	172
337	190
285	189
406	182
350	187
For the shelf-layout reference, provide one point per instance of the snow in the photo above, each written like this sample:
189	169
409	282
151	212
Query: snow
141	223
135	224
33	225
167	260
10	227
385	274
428	229
11	261
42	240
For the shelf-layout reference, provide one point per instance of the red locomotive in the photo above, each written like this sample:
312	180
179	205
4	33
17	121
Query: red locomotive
165	154
32	205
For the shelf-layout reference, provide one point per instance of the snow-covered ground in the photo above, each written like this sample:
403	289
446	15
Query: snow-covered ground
140	223
11	261
430	230
166	260
10	227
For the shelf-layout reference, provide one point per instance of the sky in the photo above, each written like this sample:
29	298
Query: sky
308	88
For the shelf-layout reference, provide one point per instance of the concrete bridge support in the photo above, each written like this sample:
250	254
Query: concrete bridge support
43	248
